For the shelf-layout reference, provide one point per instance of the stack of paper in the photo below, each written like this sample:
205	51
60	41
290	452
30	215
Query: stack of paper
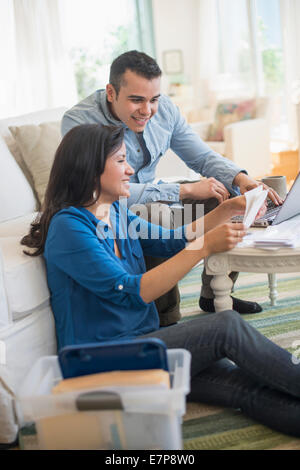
279	242
284	235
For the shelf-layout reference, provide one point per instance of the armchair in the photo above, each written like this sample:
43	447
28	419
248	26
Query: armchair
246	142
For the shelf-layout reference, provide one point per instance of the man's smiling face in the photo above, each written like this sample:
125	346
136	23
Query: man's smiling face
137	100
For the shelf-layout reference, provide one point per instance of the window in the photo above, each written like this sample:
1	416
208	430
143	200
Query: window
250	55
235	75
97	31
270	63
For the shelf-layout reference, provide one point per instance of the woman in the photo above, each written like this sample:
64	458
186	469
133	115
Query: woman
100	291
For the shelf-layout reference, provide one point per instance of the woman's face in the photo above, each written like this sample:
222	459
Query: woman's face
115	178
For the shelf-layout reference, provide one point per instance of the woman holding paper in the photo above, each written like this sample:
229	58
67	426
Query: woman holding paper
100	291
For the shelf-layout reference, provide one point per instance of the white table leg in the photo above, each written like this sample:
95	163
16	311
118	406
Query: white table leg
273	294
222	285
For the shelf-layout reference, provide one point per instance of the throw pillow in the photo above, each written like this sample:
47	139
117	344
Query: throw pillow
38	144
228	113
16	195
14	150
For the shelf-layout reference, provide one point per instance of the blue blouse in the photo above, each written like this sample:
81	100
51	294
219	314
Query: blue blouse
95	295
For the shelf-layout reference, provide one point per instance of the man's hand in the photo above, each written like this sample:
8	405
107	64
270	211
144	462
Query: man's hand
204	189
246	183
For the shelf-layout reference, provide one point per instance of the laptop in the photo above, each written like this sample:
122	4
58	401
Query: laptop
277	214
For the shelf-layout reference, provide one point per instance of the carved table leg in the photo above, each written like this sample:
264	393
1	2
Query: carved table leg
273	294
222	285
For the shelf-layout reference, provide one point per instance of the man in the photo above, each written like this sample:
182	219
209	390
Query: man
153	124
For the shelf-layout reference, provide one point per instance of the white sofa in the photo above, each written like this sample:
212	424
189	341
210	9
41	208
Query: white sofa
26	321
27	328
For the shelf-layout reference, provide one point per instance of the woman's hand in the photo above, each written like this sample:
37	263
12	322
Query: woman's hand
224	237
236	205
261	211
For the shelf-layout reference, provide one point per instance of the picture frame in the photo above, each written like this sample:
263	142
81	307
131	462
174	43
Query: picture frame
173	62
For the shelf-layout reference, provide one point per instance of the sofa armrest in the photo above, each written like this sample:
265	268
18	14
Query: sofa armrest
5	316
248	145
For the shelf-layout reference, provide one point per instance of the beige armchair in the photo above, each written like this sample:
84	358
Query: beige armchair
247	142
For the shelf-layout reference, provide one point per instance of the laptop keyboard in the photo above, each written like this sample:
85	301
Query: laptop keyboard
270	215
272	210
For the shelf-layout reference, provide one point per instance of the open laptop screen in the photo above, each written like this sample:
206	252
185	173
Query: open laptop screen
291	205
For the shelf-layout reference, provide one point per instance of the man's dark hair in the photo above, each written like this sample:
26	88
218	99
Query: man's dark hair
137	62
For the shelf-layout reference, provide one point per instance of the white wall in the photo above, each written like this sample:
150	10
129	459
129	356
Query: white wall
175	27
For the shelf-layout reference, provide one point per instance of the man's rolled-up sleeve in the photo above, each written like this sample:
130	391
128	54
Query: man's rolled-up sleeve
146	193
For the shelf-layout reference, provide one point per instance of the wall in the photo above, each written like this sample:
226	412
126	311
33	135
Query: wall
175	27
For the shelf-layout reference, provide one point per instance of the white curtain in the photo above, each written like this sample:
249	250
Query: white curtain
35	70
290	14
8	71
225	65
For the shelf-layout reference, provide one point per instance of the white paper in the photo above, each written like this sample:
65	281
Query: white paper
254	201
286	234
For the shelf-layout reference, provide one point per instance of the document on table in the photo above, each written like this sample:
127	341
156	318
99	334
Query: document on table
286	234
254	201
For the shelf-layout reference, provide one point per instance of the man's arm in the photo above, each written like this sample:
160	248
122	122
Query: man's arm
68	122
197	155
222	173
141	193
246	183
204	189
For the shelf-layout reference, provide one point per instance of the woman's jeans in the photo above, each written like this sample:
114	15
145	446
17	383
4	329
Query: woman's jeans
233	365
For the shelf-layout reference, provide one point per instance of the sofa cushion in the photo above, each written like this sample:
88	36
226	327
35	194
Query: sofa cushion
17	227
36	117
228	113
37	144
24	278
16	195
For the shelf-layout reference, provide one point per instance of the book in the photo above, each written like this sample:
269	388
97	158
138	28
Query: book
123	378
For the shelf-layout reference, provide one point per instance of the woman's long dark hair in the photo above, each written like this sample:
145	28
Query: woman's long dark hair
75	176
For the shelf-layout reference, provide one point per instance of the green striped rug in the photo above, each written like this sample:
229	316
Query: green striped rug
212	428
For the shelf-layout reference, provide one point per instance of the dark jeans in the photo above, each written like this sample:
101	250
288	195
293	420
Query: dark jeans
233	365
168	305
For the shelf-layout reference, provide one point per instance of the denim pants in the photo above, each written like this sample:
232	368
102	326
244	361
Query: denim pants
168	305
233	365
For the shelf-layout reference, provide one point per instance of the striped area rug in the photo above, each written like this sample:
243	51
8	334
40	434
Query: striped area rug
213	428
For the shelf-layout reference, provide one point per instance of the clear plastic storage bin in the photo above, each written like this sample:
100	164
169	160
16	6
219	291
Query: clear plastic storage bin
112	418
